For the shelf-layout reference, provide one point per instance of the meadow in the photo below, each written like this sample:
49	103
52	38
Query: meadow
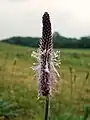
18	85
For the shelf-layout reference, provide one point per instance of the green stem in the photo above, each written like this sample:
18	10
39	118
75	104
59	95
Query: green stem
46	108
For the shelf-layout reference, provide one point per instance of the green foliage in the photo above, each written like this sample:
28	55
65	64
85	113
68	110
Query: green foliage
25	41
7	109
18	84
86	113
58	41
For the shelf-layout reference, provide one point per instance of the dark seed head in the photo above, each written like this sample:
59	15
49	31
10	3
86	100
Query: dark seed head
45	57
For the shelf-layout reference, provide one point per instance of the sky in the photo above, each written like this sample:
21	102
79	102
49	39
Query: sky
71	18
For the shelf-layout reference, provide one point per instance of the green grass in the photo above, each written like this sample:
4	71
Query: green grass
18	85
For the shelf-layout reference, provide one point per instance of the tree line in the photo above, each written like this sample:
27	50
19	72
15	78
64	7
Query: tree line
58	41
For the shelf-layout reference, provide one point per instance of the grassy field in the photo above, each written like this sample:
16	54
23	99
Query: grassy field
18	84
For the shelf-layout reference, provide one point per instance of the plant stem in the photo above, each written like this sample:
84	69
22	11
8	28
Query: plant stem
46	108
70	82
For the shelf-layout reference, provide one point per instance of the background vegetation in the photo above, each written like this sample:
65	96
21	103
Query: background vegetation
58	40
18	84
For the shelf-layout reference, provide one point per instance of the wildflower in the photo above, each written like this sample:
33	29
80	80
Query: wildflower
46	59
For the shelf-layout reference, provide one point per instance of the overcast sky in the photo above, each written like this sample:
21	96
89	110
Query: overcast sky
70	18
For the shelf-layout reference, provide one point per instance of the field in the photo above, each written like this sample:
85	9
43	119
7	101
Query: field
18	85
